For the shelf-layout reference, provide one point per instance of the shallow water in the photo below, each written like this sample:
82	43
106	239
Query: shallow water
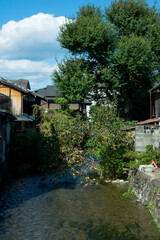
34	209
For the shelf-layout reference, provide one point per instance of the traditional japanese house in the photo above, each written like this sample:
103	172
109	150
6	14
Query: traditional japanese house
22	100
50	92
5	123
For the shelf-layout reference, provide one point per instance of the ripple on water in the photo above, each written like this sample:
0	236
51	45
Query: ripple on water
32	209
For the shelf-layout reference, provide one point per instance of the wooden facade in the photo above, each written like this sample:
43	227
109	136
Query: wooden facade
16	98
22	99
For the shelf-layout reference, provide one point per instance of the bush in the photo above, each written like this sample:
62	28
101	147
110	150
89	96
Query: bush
102	138
109	141
31	152
136	158
72	134
65	143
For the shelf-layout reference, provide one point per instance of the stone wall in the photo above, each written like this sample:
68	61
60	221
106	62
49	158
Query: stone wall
147	135
146	187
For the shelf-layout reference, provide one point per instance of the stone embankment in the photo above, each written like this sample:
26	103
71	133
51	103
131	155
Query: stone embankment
146	186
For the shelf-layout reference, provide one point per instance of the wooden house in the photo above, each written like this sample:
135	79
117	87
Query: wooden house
22	99
5	123
50	92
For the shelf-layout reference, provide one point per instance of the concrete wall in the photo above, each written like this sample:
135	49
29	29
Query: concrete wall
146	187
147	135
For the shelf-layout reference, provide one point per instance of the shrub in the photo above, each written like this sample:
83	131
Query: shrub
84	147
31	152
109	141
137	158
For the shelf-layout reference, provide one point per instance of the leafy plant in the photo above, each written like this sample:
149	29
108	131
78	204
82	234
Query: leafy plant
129	192
31	152
142	158
149	206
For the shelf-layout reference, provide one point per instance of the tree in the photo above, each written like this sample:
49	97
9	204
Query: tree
131	16
74	80
89	35
136	59
123	46
92	39
134	68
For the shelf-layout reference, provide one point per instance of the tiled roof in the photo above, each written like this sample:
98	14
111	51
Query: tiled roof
148	121
21	82
20	88
49	92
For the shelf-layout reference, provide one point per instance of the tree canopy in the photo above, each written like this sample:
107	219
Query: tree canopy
121	47
74	79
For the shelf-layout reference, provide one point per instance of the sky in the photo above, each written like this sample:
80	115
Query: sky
28	37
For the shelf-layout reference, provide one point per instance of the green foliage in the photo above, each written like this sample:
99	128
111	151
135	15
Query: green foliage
64	106
74	79
133	122
130	16
72	134
82	141
123	49
30	152
134	59
95	148
142	158
155	190
149	206
63	103
89	34
129	193
108	141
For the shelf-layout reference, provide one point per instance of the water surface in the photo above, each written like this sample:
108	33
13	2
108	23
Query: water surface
34	209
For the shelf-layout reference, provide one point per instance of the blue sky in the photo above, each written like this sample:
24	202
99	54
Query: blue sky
28	32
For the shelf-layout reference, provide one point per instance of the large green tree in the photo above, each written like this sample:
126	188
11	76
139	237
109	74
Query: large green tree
123	45
89	35
136	59
92	39
74	79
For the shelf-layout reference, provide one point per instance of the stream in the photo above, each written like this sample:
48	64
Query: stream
34	209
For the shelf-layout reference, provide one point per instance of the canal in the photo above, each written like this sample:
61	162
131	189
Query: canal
34	209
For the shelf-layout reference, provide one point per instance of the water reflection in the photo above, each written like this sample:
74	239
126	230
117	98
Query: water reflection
32	209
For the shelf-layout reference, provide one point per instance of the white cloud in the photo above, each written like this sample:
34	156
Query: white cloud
32	38
37	72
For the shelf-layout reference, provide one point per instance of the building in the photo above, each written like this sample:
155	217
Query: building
5	124
148	131
22	100
50	92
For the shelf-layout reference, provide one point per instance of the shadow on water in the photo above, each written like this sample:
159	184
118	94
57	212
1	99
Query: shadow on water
104	231
34	209
17	191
